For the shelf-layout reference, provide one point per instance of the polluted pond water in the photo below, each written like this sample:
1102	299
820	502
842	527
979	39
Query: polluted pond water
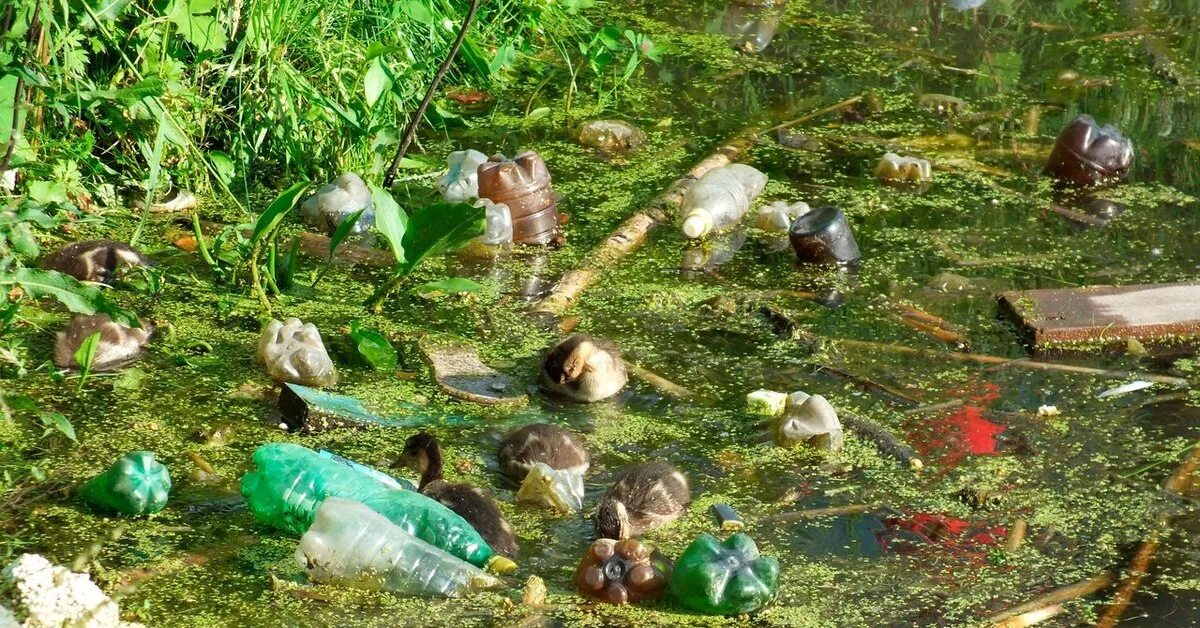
1027	481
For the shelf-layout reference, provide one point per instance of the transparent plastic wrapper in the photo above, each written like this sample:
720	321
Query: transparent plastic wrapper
720	198
134	485
557	488
350	544
289	483
779	216
333	202
811	420
461	181
498	226
293	352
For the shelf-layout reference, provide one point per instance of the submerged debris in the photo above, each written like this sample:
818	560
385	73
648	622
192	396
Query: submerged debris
611	137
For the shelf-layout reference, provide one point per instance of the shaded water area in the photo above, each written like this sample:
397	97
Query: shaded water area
1086	480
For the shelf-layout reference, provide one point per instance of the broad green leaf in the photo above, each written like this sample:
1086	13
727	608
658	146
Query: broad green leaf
44	192
78	297
85	355
270	219
417	10
343	229
391	221
130	380
376	82
438	228
146	88
202	31
538	114
56	421
453	285
223	164
374	347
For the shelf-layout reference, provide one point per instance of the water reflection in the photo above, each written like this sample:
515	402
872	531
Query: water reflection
752	24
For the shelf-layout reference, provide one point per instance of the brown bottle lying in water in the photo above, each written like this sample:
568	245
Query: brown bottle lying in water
1087	154
522	183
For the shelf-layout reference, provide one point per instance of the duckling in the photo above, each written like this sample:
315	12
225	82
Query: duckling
643	497
583	368
541	442
423	453
95	260
118	345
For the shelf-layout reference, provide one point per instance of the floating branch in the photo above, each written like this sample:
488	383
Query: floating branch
1053	598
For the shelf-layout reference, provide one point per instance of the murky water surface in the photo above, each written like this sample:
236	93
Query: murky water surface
1086	481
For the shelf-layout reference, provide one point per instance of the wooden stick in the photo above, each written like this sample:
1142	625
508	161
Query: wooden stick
893	395
1015	363
908	311
659	382
1055	597
1015	536
816	114
886	442
951	338
1139	567
936	407
1032	618
813	513
632	233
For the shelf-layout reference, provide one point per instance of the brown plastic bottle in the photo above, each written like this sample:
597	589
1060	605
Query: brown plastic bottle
522	183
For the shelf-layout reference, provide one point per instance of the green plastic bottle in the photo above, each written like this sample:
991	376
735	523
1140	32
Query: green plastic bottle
727	578
136	484
289	483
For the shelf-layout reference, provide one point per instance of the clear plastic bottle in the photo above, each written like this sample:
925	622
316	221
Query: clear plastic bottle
561	489
779	216
498	229
461	181
350	544
720	198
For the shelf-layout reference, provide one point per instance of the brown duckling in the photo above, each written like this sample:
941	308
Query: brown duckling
541	442
423	453
95	260
583	368
119	345
643	497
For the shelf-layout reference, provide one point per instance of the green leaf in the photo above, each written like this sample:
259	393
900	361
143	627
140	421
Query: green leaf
377	81
146	88
343	229
202	31
56	421
78	297
85	355
538	114
222	164
417	10
374	348
391	221
438	228
453	285
44	192
270	219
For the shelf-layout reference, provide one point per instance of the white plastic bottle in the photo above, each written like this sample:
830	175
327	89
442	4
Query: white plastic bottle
461	181
349	544
779	216
720	198
498	228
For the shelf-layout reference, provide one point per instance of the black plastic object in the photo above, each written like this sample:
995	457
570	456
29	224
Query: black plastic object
727	517
1087	155
823	236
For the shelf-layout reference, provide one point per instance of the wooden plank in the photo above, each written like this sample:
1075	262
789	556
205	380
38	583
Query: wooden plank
1106	314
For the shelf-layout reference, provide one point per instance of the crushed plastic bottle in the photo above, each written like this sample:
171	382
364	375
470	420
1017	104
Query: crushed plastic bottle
293	352
380	476
523	184
331	203
720	198
498	226
558	488
134	485
350	544
461	181
808	419
779	216
894	168
289	483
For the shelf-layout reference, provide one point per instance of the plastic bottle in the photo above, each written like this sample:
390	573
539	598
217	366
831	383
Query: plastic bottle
352	545
720	198
498	225
134	485
522	183
558	488
461	181
779	216
378	475
290	482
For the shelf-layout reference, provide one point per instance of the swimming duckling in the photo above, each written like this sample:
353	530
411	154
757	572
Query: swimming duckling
541	442
583	368
423	453
643	497
118	344
95	260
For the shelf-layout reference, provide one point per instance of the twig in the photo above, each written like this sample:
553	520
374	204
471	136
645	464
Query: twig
816	114
411	130
814	513
936	407
951	338
1139	567
908	311
1015	363
1055	597
659	382
632	233
871	386
885	441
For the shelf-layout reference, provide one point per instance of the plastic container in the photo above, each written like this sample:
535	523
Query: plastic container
350	544
290	482
376	474
522	183
751	25
893	168
331	203
727	578
498	225
811	420
620	572
779	216
557	488
823	236
292	351
461	181
134	485
719	198
1087	155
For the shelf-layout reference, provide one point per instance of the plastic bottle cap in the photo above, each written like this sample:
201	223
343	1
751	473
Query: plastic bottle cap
697	225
